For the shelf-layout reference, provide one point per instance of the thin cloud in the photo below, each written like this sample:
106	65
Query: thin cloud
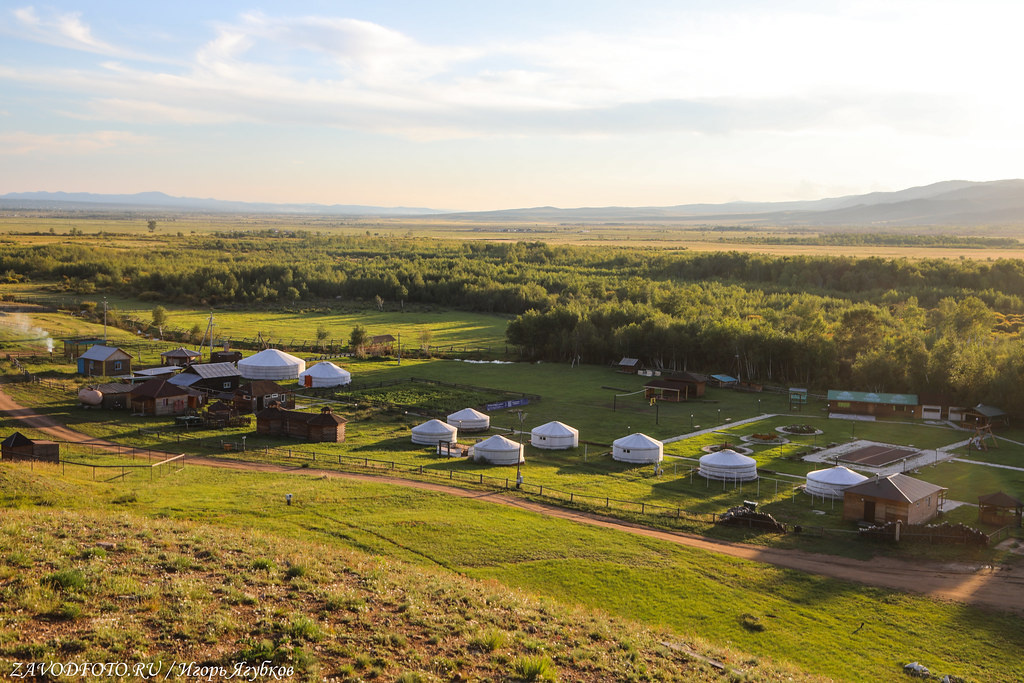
20	143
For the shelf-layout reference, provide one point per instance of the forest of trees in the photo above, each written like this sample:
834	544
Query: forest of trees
937	327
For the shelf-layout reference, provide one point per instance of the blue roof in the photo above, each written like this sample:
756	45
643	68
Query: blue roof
872	397
725	379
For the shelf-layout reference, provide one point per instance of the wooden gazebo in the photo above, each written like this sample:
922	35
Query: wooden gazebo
1000	509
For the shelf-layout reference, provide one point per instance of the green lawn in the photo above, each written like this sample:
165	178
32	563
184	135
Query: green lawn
809	621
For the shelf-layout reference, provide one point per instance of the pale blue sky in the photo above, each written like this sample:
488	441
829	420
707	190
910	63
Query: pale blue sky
481	105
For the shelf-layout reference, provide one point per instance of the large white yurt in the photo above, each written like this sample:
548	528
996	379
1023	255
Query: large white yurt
431	432
728	465
637	448
271	364
555	435
498	450
469	420
831	482
324	374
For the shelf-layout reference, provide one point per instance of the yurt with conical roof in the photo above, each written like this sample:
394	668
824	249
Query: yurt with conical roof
555	436
469	420
498	450
638	448
728	465
324	374
432	432
832	481
271	364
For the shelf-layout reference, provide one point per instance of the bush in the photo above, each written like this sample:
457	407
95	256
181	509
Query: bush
69	580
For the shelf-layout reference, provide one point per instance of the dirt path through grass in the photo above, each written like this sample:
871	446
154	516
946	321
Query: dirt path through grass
1000	587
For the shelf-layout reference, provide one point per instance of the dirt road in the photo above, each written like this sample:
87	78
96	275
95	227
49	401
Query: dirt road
1000	587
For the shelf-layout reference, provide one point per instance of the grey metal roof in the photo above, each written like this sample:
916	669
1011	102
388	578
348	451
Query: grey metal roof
208	370
102	353
895	487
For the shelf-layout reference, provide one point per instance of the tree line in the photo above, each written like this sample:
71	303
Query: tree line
943	327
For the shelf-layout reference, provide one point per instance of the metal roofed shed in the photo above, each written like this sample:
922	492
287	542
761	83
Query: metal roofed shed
893	497
877	404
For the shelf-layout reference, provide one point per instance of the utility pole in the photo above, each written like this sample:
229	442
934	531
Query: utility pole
104	321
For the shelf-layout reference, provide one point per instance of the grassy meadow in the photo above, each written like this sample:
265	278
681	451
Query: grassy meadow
359	575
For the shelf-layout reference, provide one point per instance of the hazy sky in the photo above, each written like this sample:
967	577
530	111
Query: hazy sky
484	105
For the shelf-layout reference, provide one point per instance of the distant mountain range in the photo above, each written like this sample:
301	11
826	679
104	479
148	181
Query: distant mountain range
950	203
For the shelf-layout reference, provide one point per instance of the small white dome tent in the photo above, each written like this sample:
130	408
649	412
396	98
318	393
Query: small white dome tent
498	450
271	364
832	481
638	448
728	465
432	432
554	436
469	420
324	374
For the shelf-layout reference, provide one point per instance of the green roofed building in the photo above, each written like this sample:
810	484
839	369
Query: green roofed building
873	403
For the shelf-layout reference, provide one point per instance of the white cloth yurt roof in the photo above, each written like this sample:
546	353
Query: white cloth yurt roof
271	364
831	482
638	448
325	374
432	431
469	420
555	435
729	465
498	450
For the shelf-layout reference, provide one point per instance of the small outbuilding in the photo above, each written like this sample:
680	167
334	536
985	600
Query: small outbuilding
160	397
254	396
271	364
498	450
470	420
832	481
324	426
112	396
432	432
638	448
179	356
1000	509
893	497
630	365
555	436
104	361
324	374
17	446
727	465
677	388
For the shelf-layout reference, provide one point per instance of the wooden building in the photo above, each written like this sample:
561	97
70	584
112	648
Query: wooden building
381	345
180	356
212	378
115	395
873	403
893	497
314	427
681	387
104	361
1000	509
17	446
630	365
73	348
985	417
261	393
160	397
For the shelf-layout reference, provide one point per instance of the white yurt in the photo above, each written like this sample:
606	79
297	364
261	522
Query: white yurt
555	435
324	374
498	450
637	448
469	420
271	364
431	432
728	465
831	482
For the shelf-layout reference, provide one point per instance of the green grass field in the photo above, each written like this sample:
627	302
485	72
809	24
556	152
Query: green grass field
783	616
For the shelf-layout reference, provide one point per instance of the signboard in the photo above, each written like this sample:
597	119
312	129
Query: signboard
514	403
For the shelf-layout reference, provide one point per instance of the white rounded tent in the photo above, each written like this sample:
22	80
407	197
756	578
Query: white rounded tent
324	374
554	436
831	482
271	364
728	465
637	448
432	432
469	420
498	450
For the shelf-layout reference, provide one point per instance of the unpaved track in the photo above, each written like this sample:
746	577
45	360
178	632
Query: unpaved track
1001	587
